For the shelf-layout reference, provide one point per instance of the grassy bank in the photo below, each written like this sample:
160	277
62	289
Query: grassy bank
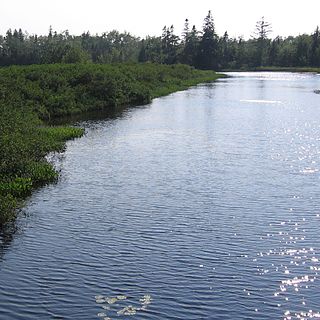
24	143
32	95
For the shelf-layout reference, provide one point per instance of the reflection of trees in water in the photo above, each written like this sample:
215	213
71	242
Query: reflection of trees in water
6	237
110	113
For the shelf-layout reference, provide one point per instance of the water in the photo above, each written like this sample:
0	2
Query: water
202	205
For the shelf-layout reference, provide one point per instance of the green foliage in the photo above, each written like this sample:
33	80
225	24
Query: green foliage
24	142
40	172
75	54
262	43
170	45
16	187
8	205
208	47
190	45
15	126
203	50
58	90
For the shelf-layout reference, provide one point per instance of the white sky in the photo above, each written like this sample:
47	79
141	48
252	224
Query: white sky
142	17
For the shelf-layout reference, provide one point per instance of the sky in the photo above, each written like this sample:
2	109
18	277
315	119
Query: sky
147	17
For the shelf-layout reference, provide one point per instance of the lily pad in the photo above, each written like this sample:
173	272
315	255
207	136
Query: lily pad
111	300
127	311
101	314
146	299
100	301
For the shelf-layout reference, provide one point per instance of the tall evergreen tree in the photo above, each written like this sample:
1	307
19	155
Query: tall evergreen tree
224	52
262	30
208	47
315	48
170	44
186	31
274	52
190	47
302	50
151	50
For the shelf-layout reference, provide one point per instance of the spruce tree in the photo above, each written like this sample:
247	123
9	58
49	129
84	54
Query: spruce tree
315	48
262	30
190	47
208	47
186	31
169	45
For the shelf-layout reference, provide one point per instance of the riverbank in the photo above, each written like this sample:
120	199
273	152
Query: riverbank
276	69
33	95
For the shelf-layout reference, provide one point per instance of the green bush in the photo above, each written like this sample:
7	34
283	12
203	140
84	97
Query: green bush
24	142
62	89
8	205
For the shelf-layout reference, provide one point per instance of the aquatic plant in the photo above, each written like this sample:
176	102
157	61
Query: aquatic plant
114	305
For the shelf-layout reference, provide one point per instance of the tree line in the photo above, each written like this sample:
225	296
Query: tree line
203	49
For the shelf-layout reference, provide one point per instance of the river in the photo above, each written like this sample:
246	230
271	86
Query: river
202	205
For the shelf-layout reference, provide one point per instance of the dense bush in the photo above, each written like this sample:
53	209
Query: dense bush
24	142
59	89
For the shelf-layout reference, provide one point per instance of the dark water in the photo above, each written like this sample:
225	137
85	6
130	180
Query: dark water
202	205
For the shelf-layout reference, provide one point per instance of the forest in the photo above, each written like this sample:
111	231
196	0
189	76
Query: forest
203	48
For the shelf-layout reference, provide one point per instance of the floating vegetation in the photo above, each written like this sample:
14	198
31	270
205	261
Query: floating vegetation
100	300
115	306
127	311
101	314
111	300
146	299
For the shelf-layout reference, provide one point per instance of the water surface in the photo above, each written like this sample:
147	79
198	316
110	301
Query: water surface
202	205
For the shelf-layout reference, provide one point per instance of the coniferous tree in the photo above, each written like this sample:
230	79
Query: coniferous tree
208	47
142	57
302	50
262	30
169	45
225	56
151	50
315	48
204	50
186	31
274	52
190	47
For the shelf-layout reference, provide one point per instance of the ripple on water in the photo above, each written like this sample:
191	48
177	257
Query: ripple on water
197	206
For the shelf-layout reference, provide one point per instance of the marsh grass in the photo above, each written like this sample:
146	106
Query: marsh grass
24	142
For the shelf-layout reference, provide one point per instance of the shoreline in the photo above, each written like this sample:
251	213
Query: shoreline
20	175
276	69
